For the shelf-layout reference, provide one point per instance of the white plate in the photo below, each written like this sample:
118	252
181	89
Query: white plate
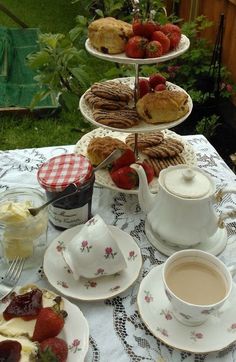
217	333
102	176
122	58
75	331
60	277
86	111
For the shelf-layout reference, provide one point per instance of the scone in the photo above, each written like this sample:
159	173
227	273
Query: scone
164	106
109	35
100	148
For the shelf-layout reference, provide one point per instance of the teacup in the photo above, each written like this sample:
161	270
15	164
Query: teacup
197	284
94	252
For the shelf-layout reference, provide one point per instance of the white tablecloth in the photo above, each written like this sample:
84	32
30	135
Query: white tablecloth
116	329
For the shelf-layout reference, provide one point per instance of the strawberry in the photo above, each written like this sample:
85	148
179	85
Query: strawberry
170	28
163	39
10	350
49	323
143	87
125	178
148	28
153	49
126	159
174	40
138	28
156	79
136	46
160	87
148	170
53	349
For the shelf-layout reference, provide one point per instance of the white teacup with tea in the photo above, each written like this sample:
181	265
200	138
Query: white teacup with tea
197	284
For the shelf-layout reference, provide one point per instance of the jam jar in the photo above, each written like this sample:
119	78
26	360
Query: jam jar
55	175
21	234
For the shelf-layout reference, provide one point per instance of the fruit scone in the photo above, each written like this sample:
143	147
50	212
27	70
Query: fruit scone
30	324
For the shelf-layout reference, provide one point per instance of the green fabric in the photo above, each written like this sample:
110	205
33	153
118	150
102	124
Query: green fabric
17	84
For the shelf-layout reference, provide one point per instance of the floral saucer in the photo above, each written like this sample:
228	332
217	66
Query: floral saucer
155	310
60	276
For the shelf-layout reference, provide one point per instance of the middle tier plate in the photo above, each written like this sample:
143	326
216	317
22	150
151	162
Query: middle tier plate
86	111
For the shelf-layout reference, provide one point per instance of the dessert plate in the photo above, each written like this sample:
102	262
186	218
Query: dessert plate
86	111
75	331
122	58
102	176
60	276
155	310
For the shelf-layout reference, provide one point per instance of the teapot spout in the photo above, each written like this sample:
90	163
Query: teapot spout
146	198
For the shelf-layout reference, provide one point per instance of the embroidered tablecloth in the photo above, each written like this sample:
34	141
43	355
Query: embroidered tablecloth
117	332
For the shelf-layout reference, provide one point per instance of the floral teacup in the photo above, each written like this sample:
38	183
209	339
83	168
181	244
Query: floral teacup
94	252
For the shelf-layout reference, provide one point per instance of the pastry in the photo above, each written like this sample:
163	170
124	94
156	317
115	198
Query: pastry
145	139
168	148
160	164
100	148
96	102
112	90
109	35
123	118
163	106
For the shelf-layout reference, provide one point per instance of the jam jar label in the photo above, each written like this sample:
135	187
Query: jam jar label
68	218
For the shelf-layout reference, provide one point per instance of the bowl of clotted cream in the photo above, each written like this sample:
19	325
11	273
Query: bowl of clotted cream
21	234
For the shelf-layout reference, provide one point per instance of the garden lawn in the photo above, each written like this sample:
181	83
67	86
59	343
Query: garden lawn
56	16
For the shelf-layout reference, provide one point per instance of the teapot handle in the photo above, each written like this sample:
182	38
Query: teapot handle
218	197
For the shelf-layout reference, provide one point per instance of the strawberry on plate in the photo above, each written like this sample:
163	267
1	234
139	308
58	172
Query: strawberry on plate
137	27
154	49
148	28
163	39
170	28
126	159
49	323
160	87
156	79
53	349
143	87
148	170
174	40
125	178
136	47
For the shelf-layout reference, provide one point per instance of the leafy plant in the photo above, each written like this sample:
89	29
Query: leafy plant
207	125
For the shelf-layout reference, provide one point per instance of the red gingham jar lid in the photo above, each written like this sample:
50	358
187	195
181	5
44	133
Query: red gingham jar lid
58	172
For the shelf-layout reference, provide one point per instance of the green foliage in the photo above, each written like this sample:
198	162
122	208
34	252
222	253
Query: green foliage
207	125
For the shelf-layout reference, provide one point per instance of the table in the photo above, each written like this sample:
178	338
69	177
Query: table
116	329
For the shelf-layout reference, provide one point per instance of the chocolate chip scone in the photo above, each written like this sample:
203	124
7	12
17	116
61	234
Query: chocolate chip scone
112	90
168	148
145	139
96	102
160	164
124	118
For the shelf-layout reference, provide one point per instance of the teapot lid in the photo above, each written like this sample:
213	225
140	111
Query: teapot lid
187	182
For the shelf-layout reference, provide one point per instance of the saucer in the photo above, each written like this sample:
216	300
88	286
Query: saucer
217	333
60	276
212	246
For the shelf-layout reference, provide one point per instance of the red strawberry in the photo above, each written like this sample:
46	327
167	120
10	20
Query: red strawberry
49	323
148	28
126	159
153	49
125	178
10	351
136	46
138	28
53	348
160	87
148	170
170	28
174	39
156	79
143	87
163	39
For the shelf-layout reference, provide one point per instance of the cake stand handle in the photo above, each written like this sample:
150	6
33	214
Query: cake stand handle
136	97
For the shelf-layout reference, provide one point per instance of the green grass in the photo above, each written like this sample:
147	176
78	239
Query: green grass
56	16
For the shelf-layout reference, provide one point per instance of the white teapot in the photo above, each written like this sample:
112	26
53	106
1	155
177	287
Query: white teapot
182	212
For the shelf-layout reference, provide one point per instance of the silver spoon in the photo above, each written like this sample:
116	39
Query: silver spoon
72	188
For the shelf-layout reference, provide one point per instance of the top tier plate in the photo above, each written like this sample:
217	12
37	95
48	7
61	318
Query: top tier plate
122	58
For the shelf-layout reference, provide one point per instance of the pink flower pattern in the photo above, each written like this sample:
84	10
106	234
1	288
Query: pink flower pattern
113	289
109	253
90	284
167	314
232	328
148	297
196	336
74	346
60	247
62	283
100	271
91	222
85	246
163	331
132	255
